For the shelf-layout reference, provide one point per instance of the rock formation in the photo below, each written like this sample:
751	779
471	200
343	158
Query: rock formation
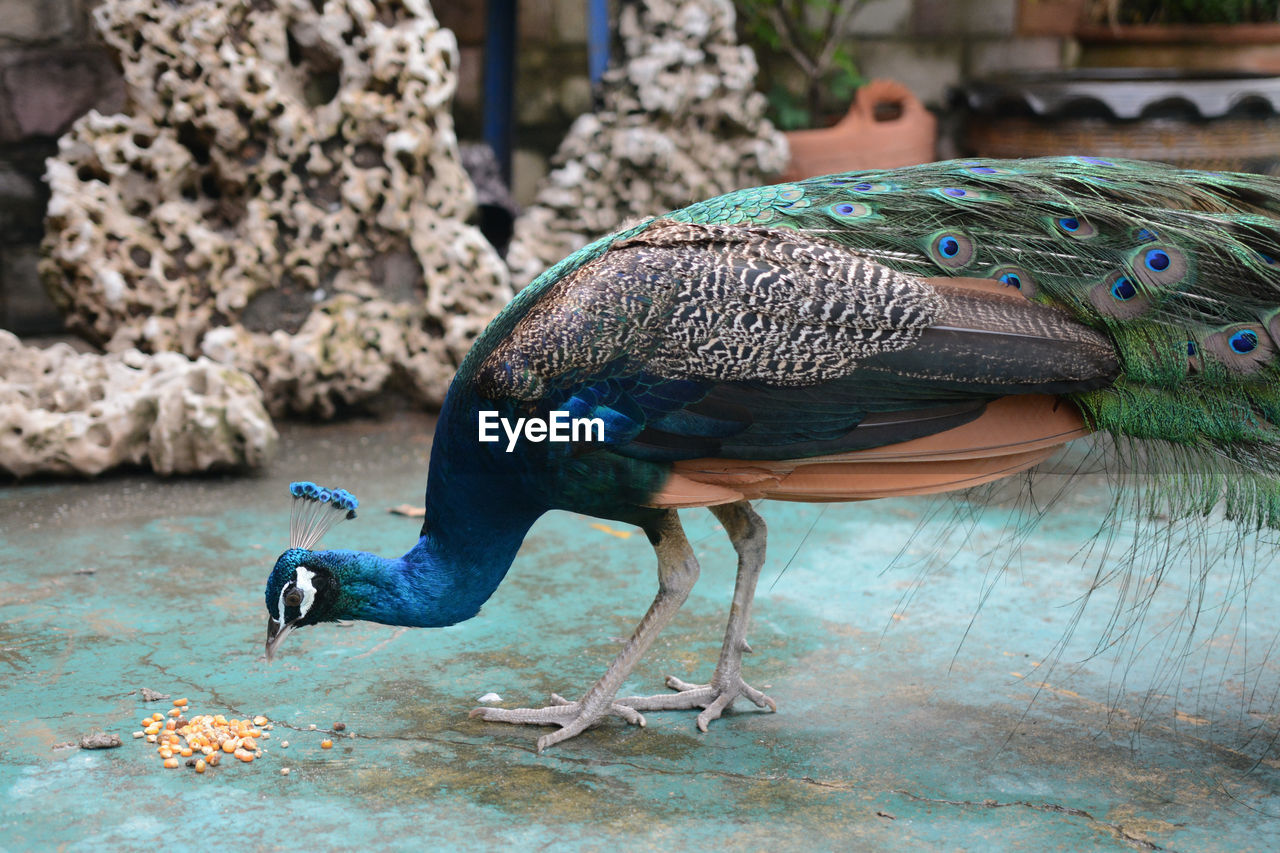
64	412
285	196
680	121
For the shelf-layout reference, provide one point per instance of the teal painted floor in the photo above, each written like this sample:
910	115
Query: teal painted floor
903	721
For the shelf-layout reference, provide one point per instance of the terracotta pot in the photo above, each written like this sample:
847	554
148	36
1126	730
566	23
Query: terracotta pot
886	127
1198	47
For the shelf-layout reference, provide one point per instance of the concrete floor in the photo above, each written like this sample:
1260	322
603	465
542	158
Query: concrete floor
893	732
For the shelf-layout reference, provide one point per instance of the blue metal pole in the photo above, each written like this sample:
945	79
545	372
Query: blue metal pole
500	81
597	39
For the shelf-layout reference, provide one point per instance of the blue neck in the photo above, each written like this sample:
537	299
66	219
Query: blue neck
477	515
442	580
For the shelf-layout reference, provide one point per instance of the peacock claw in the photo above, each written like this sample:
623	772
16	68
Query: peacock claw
572	717
713	698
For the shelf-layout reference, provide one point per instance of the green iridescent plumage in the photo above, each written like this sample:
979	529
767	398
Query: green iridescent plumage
1168	263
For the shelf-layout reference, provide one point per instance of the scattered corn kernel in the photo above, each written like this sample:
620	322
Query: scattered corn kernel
202	739
326	744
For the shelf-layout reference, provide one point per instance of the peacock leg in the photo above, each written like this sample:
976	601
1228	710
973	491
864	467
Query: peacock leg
677	572
747	532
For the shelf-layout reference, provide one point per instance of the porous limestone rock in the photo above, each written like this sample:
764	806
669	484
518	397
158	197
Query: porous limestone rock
284	196
680	121
64	412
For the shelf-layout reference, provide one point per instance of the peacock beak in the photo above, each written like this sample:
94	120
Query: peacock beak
276	632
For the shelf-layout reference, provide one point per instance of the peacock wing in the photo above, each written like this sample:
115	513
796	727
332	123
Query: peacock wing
693	341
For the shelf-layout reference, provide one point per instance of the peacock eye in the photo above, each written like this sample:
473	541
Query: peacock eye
293	598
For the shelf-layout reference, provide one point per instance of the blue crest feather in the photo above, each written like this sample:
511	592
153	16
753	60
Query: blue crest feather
315	510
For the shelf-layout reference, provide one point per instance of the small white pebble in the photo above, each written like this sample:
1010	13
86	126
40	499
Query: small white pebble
490	698
284	744
284	771
139	734
311	727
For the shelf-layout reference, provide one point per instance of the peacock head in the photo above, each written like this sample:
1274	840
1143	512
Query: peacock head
303	588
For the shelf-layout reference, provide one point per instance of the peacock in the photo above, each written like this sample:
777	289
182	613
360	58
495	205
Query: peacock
854	336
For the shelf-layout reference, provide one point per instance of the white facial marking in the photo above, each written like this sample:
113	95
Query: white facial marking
302	582
307	588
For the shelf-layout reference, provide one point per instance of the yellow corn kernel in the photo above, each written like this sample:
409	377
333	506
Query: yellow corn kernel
170	763
179	703
165	752
200	765
157	716
326	744
259	720
249	743
219	719
215	759
175	712
151	738
243	755
152	729
186	752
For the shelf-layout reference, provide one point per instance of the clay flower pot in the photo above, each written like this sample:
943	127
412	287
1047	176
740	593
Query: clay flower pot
886	127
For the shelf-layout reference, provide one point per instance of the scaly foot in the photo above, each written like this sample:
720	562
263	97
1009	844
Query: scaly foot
572	717
714	698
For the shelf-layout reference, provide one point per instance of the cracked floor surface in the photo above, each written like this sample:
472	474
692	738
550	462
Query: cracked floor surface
903	721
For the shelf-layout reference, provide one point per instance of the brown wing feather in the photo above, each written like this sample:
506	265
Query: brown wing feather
1013	434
